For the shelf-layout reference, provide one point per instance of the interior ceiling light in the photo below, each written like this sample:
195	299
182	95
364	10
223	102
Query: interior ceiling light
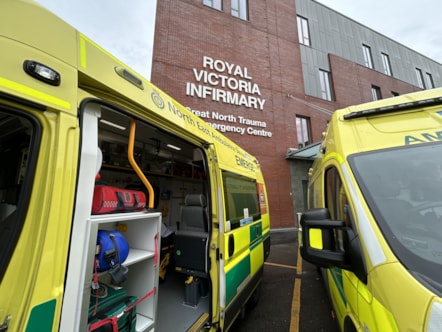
112	124
173	147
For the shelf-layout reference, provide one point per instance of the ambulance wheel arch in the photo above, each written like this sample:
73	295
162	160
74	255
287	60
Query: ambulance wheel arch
349	326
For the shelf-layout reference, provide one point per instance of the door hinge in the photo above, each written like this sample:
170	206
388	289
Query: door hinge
5	324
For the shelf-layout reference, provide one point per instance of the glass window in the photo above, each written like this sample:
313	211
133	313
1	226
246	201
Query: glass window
376	92
303	131
430	82
18	137
240	9
394	94
241	199
335	196
368	60
217	4
420	78
303	31
386	63
324	79
403	190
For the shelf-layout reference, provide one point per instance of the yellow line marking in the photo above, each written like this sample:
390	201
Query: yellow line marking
281	265
296	301
299	263
23	89
296	306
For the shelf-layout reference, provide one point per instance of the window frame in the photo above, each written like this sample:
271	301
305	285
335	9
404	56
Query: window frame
387	64
215	4
420	78
240	9
368	57
430	80
303	131
325	84
376	92
303	31
239	189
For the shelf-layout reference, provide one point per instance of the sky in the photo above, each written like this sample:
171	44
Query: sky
415	24
125	28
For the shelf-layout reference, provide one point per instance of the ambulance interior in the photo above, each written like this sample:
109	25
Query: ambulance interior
177	171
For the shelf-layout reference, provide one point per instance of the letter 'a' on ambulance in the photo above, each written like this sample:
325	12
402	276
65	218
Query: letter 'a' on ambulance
374	223
119	208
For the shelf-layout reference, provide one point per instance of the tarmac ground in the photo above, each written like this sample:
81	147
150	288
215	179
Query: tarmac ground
293	296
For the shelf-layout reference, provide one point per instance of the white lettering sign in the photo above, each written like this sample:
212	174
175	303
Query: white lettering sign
235	124
225	82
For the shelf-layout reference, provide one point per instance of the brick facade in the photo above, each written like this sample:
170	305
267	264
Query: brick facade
266	49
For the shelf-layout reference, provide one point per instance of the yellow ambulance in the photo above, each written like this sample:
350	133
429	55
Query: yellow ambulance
90	148
374	223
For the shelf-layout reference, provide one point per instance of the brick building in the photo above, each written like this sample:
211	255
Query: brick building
268	74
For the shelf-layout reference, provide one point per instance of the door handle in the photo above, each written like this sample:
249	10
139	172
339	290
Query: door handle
231	245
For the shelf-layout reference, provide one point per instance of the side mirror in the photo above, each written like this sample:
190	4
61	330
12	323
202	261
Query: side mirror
319	243
330	243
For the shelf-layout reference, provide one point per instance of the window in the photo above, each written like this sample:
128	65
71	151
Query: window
376	92
324	79
420	78
241	197
240	9
303	131
335	196
217	4
402	187
430	82
394	94
367	56
303	32
386	63
19	138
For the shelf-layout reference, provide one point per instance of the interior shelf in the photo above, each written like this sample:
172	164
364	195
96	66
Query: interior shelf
136	255
143	323
142	231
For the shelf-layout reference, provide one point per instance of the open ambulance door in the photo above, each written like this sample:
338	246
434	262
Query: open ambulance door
241	256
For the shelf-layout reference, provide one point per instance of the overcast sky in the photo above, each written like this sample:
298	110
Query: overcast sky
125	28
415	24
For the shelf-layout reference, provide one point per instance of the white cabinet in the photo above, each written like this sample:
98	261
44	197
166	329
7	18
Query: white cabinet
142	231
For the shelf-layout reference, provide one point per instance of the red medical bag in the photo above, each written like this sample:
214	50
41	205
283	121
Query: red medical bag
108	199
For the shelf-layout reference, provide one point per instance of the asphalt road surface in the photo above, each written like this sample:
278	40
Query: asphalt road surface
293	297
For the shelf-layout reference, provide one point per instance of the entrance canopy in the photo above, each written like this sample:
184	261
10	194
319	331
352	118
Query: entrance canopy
309	152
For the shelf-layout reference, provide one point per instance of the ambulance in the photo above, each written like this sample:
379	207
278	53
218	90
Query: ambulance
374	224
92	151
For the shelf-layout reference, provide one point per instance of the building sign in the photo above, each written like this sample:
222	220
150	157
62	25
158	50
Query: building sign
224	82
